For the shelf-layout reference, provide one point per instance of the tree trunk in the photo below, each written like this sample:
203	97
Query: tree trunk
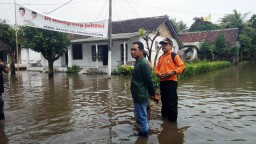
157	52
212	56
12	64
50	68
241	56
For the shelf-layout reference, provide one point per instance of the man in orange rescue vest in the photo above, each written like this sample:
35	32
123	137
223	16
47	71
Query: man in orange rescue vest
167	69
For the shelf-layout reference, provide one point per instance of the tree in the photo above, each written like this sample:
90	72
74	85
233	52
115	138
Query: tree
207	49
251	32
201	25
149	42
253	21
235	20
234	51
246	45
220	45
51	44
8	37
179	26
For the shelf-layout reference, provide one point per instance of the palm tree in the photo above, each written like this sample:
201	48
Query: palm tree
235	20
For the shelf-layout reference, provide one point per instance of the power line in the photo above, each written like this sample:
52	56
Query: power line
118	17
102	9
172	10
133	9
52	3
59	7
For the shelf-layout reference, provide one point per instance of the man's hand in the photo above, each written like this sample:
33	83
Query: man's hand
2	65
156	97
166	75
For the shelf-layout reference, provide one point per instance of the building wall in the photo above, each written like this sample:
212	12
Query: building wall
87	62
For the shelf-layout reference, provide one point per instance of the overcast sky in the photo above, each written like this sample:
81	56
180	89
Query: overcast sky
93	10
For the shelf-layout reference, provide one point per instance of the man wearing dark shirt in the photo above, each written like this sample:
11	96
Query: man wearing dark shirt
5	69
142	87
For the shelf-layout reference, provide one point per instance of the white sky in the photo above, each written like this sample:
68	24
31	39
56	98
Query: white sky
93	10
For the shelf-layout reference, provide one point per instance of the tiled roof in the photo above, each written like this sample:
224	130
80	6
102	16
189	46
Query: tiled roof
230	35
133	25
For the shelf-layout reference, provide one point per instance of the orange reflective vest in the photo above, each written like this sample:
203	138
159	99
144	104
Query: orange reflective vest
166	64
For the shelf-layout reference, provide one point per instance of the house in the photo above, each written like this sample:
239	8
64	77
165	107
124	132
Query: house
91	53
193	40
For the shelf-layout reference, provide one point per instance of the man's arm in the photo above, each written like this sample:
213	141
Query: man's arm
4	67
147	74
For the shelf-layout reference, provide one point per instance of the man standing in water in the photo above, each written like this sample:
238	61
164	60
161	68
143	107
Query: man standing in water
142	87
167	68
3	68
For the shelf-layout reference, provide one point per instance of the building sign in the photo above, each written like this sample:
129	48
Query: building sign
27	17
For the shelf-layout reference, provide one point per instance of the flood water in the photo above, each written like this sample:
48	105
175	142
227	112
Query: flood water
217	107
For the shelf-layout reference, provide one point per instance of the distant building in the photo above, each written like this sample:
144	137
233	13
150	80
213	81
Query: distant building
192	41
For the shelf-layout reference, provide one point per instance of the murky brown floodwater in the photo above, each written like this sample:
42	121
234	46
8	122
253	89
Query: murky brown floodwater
217	107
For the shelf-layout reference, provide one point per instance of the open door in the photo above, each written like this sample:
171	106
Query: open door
104	54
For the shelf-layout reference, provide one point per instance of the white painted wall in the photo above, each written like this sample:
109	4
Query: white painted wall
29	56
87	62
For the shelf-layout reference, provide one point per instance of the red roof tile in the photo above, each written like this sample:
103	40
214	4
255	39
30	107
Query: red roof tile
230	35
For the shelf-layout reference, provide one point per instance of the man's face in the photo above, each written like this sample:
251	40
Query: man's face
22	12
33	15
166	47
136	52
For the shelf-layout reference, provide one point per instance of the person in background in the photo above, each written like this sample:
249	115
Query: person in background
167	69
22	11
33	15
142	87
5	69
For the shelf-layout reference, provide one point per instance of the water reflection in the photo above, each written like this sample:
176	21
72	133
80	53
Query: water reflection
170	133
217	107
3	138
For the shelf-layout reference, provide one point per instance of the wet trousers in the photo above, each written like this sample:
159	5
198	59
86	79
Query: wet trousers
169	100
1	108
140	111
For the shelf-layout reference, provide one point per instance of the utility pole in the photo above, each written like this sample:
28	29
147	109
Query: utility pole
109	38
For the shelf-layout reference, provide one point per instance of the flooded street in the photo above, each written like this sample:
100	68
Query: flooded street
217	107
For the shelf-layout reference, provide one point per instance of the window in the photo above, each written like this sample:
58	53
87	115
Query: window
100	53
122	52
77	51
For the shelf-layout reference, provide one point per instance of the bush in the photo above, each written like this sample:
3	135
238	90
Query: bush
123	70
74	69
203	67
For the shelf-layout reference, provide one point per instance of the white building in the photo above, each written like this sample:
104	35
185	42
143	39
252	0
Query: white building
91	53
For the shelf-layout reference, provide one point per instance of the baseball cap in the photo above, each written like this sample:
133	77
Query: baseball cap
166	41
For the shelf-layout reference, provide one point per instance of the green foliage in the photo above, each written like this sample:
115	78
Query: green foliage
7	36
179	26
235	20
220	45
155	80
74	69
51	44
201	25
245	42
203	67
141	32
234	50
253	21
208	50
123	70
